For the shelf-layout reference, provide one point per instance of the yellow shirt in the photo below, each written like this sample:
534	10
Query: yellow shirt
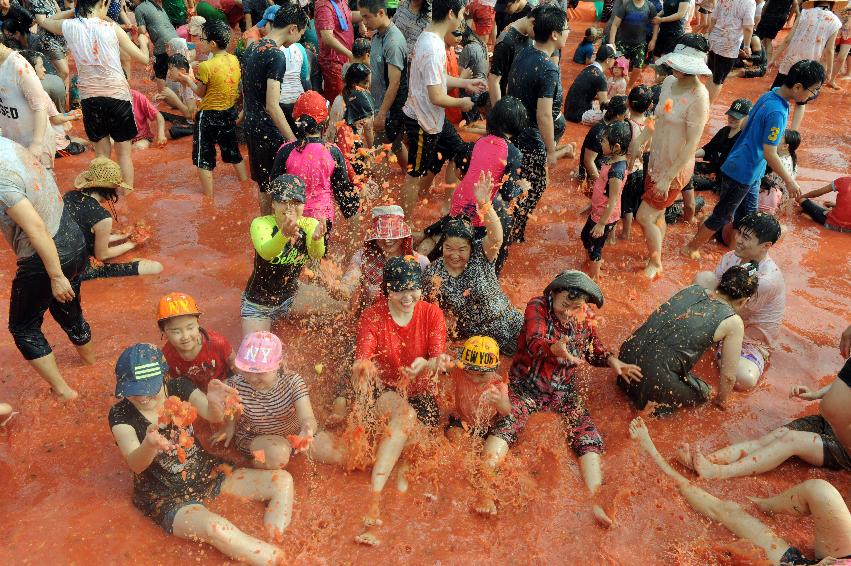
221	74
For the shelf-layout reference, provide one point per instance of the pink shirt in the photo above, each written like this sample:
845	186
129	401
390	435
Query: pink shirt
599	200
315	166
144	112
769	200
489	154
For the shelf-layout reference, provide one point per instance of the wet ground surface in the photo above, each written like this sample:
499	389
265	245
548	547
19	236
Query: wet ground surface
66	490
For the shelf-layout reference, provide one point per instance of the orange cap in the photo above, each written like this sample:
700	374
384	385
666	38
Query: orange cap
176	304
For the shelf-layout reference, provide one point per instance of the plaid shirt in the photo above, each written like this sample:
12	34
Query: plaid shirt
535	367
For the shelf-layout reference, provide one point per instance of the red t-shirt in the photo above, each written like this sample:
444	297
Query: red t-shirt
325	17
210	363
468	394
840	215
144	112
392	347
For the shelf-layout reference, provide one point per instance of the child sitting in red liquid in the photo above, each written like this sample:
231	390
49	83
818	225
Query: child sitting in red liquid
194	353
558	334
147	118
480	393
834	216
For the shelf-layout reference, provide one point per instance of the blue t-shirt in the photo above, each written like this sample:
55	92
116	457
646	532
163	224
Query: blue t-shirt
765	126
584	52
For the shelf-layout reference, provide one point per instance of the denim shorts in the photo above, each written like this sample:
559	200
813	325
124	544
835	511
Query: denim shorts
249	309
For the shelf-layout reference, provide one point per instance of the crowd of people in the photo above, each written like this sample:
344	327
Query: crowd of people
327	98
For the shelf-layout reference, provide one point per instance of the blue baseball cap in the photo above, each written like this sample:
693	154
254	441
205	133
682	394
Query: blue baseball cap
139	371
268	15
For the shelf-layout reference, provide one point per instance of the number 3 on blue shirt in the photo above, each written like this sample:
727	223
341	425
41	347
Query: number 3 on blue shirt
773	133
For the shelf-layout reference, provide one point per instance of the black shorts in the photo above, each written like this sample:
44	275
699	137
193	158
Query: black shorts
160	66
261	157
594	246
631	194
427	152
720	66
769	26
214	127
108	117
835	456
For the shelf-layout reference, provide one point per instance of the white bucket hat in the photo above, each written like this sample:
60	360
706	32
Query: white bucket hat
686	60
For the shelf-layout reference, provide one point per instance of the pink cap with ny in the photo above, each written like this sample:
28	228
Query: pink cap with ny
260	352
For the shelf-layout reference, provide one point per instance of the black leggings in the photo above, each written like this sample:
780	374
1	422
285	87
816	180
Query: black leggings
110	270
31	296
814	211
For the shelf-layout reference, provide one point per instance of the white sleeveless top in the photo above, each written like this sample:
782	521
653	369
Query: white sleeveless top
291	86
21	95
94	45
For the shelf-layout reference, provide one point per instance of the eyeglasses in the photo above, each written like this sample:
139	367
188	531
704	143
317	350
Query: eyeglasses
813	94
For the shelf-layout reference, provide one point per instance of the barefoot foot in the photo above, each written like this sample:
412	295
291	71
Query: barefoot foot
703	467
601	517
368	539
485	505
683	455
65	395
402	478
653	271
689	253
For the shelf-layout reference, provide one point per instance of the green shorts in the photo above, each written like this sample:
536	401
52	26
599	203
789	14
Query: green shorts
637	54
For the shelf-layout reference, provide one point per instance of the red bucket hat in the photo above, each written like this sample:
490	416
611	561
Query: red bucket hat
312	104
388	223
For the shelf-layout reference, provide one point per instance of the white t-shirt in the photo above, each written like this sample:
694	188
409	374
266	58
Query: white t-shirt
428	67
814	28
94	45
763	314
291	85
21	95
730	16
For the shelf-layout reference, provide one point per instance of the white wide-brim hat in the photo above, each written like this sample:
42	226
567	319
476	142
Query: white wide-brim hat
686	60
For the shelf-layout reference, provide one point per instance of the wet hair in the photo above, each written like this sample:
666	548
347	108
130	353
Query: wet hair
640	98
763	226
218	32
306	126
373	6
549	18
695	41
440	9
508	117
178	61
13	26
83	8
619	132
30	55
793	140
615	106
360	47
806	73
459	227
589	36
355	75
290	14
108	194
740	281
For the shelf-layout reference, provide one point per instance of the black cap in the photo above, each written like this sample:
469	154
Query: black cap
607	51
740	108
287	187
402	274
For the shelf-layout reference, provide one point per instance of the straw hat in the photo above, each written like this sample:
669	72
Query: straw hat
102	173
686	60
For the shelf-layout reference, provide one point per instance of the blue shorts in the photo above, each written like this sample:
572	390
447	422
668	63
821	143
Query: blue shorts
249	309
732	194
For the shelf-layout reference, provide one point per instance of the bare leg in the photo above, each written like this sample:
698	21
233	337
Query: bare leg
103	148
271	452
241	171
250	325
592	474
124	157
692	249
494	453
627	226
729	514
714	90
322	450
197	523
86	353
824	503
594	268
6	414
206	178
49	371
805	445
689	204
410	195
648	217
402	419
747	375
274	486
736	452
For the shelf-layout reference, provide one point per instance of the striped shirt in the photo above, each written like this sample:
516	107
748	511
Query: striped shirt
267	412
